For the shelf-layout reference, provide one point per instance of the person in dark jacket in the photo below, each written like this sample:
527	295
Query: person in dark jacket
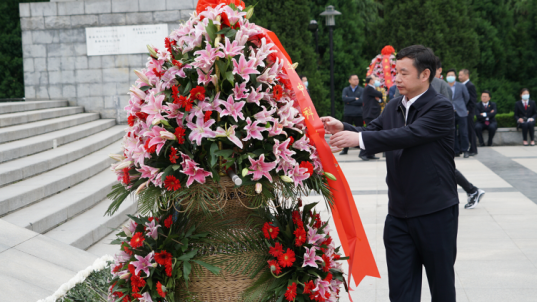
464	77
460	99
416	132
371	98
525	115
485	112
352	104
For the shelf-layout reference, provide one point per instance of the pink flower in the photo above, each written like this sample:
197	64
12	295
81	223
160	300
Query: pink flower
260	168
244	68
302	144
230	134
265	116
282	150
231	49
200	130
146	297
239	91
233	15
322	287
152	229
163	55
205	58
157	137
253	130
143	263
276	129
204	78
147	171
310	257
255	95
313	237
153	108
232	108
270	74
194	172
299	174
173	112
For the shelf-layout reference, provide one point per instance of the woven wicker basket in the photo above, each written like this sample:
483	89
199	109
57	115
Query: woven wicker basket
206	286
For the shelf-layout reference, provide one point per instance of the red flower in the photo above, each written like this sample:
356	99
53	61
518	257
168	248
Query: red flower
336	256
290	294
318	222
179	100
173	155
142	115
296	217
131	119
136	296
308	286
137	240
274	267
177	63
277	92
291	143
161	289
277	250
271	58
188	104
387	50
171	183
307	165
328	277
287	259
270	231
176	95
326	260
151	149
169	44
198	93
180	134
163	257
207	116
168	222
136	283
300	236
126	176
127	250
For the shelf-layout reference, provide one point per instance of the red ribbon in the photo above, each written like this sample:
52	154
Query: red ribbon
345	214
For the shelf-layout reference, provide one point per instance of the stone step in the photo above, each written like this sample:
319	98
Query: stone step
18	118
43	142
30	190
12	133
29	166
91	226
10	107
52	211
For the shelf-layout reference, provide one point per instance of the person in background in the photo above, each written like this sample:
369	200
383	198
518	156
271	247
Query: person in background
391	92
464	77
352	105
525	115
460	101
485	112
371	102
305	82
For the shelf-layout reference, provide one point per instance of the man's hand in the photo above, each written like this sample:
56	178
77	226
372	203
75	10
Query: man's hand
520	120
331	125
345	139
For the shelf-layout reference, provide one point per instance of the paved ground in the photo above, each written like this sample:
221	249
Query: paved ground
497	241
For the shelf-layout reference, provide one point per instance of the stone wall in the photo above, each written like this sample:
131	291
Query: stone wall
56	65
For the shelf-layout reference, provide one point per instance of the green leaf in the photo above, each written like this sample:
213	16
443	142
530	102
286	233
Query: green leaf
145	88
187	267
214	148
175	167
213	269
222	67
211	30
188	87
188	256
149	282
167	171
230	78
223	31
230	34
225	153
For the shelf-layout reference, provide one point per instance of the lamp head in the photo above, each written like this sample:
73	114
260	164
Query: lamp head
330	14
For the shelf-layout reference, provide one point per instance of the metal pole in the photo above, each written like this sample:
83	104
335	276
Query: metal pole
332	73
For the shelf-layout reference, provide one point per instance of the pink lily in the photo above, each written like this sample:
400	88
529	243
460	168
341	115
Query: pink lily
260	168
270	74
239	91
232	108
313	237
173	112
143	263
282	150
154	108
299	174
253	130
244	68
157	180
147	171
200	130
163	55
231	49
233	15
302	144
146	297
205	58
255	95
321	287
194	172
310	257
276	129
152	229
158	137
230	134
265	116
204	78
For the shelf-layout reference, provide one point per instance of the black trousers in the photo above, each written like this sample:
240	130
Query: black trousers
471	133
527	127
355	120
468	187
480	126
461	134
429	240
363	152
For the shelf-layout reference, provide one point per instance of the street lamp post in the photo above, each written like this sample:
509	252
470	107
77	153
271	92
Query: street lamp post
314	28
330	14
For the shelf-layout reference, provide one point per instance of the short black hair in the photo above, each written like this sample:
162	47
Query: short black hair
438	63
354	75
487	92
452	70
368	79
524	90
424	58
466	71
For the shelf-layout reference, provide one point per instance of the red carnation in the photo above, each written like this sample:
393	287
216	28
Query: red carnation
292	140
198	93
131	119
177	63
188	104
336	256
161	289
176	95
168	222
290	294
277	92
142	115
151	149
127	250
300	236
136	283
126	176
163	257
270	231
328	277
287	259
307	165
171	183
137	240
180	135
173	155
207	116
274	267
318	222
277	250
326	260
308	286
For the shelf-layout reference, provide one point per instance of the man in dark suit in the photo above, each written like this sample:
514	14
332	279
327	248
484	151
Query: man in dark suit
464	78
416	132
485	112
460	98
352	104
371	99
525	115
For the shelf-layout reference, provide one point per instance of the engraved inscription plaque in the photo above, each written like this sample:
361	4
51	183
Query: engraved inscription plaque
117	40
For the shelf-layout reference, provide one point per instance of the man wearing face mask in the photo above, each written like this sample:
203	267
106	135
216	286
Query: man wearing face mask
371	99
461	97
305	83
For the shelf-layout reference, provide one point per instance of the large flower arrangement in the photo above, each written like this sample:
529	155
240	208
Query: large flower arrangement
216	98
384	70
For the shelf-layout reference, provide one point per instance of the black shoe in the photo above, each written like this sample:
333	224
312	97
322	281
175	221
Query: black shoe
364	158
344	152
481	145
457	155
466	155
372	157
474	199
472	154
489	144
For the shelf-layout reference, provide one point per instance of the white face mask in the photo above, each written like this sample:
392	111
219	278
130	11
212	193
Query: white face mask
450	79
377	83
525	97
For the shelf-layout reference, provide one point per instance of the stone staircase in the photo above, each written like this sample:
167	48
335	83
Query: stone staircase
54	171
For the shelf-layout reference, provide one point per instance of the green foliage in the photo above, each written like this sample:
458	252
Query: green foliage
506	119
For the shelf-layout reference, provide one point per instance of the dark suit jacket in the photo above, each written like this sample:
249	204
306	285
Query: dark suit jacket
521	112
480	109
473	97
419	155
371	105
352	106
